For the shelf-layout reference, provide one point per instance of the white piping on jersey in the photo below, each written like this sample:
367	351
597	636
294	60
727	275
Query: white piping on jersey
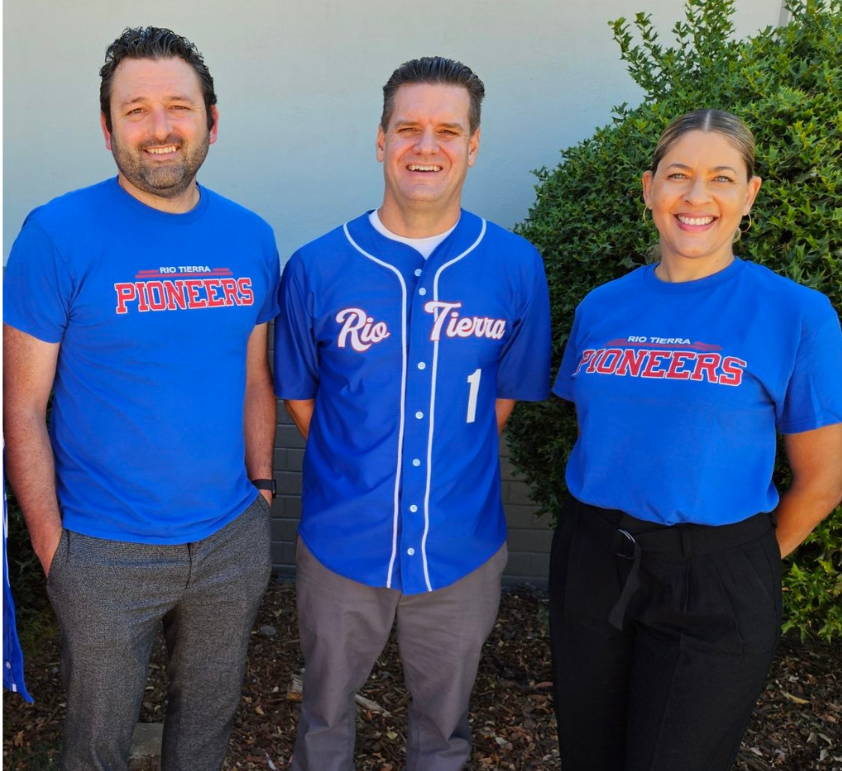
397	502
433	408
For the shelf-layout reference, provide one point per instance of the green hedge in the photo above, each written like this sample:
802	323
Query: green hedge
786	83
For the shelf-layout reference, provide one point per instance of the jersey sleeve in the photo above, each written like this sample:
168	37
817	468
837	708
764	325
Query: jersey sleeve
270	303
563	385
814	393
296	355
37	286
524	370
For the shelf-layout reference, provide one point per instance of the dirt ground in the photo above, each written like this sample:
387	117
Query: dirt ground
797	725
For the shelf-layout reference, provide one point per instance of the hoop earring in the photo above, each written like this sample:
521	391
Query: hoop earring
750	223
645	210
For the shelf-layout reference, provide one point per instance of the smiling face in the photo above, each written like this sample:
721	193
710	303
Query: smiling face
426	151
159	136
698	194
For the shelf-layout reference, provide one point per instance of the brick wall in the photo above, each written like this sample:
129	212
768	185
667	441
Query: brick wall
529	536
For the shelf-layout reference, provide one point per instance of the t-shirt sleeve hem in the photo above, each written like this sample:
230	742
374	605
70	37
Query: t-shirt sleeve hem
29	329
810	424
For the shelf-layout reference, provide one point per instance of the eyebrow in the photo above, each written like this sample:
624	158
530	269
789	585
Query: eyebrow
143	100
400	123
715	168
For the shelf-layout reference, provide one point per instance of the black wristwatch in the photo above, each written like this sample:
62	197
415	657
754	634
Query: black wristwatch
266	484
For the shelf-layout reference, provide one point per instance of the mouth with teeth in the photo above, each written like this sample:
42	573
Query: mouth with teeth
424	168
694	223
165	150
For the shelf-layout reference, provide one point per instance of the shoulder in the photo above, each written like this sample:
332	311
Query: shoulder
236	213
329	247
616	290
67	209
787	296
515	246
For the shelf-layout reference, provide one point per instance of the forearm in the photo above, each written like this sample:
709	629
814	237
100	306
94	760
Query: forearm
798	513
301	412
259	423
30	469
503	408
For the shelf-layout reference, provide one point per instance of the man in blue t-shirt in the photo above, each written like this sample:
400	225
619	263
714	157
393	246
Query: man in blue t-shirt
404	339
142	303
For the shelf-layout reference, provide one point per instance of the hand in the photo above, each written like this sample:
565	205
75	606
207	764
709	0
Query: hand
267	494
46	550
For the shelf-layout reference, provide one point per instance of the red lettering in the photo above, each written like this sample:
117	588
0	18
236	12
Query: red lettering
595	359
210	285
125	293
175	295
586	357
609	361
732	371
229	288
707	364
632	362
246	295
679	359
655	359
157	300
194	298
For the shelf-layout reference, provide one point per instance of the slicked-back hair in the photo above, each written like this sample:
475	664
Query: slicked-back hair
153	43
721	122
434	70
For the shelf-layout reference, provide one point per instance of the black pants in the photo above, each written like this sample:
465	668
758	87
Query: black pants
673	690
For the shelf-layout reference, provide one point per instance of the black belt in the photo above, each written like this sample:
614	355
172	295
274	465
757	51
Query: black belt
628	537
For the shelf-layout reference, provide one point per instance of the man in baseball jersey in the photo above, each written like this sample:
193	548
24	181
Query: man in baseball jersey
405	337
142	302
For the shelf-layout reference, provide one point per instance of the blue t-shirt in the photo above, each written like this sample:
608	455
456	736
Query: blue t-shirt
679	389
153	312
405	359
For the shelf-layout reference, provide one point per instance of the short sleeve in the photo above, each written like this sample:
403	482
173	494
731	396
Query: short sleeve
814	393
270	303
563	385
37	286
524	369
296	356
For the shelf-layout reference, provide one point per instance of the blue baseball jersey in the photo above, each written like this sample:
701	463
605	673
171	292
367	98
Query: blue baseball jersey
405	359
153	312
680	388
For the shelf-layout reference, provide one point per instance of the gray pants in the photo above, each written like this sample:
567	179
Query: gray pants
344	626
109	597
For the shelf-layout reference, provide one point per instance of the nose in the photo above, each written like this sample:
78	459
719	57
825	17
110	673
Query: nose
427	141
159	123
697	191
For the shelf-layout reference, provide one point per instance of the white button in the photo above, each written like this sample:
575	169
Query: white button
422	365
419	415
410	551
422	291
416	462
8	665
418	271
413	507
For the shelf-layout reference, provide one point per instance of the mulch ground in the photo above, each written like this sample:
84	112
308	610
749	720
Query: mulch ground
797	725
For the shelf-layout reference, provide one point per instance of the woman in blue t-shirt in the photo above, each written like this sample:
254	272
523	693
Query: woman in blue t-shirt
665	579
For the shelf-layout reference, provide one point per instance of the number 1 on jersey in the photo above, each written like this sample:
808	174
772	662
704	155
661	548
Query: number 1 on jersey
473	379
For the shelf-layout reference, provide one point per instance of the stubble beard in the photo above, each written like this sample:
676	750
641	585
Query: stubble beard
163	181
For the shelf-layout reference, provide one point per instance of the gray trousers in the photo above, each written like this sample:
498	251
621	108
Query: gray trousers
109	597
344	626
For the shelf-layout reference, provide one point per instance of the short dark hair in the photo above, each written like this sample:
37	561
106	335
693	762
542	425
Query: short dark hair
434	70
152	43
718	121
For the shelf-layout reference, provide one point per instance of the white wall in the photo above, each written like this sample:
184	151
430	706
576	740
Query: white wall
299	86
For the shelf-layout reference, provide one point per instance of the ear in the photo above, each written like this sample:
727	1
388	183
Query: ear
105	132
647	187
473	148
381	144
751	193
215	128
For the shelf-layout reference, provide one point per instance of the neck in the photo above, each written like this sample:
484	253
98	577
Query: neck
417	222
180	204
681	269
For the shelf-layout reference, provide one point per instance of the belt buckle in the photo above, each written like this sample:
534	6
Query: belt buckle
624	547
